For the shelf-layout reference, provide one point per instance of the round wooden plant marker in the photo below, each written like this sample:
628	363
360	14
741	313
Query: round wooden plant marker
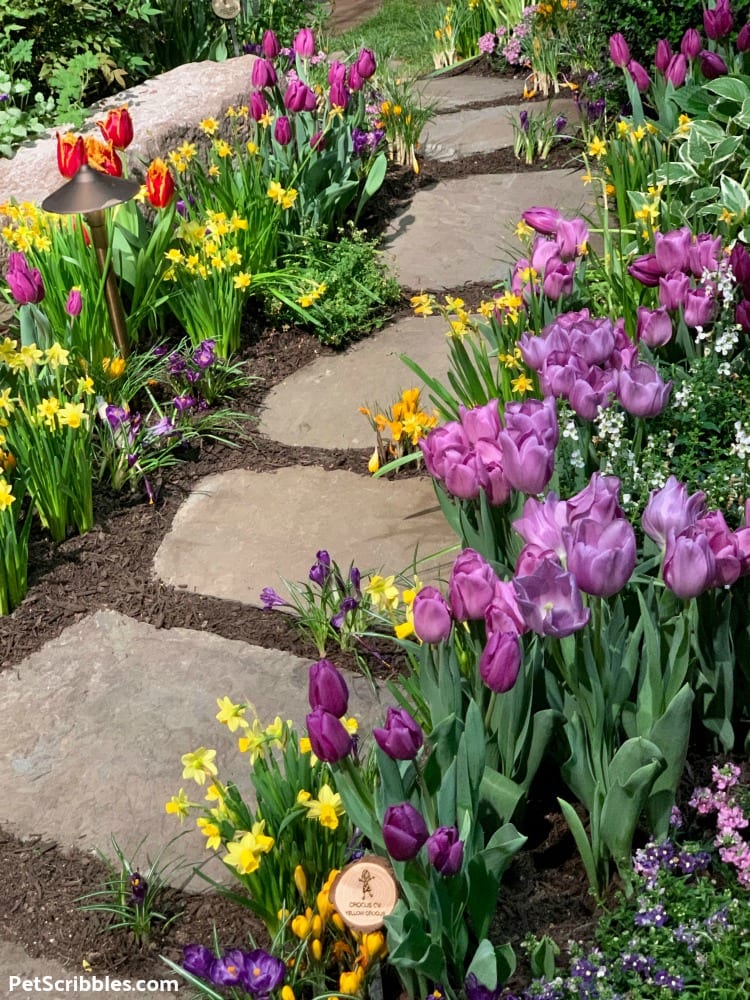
364	893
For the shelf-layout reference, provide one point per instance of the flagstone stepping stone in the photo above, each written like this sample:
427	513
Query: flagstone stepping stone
482	130
318	405
449	93
241	531
461	230
93	726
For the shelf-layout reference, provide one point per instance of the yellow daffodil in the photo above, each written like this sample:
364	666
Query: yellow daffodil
422	304
231	715
382	592
242	280
253	742
242	856
47	409
251	148
726	216
523	230
597	148
222	148
326	808
6	494
199	764
85	386
289	197
266	119
233	257
521	384
209	126
6	403
275	192
211	832
72	415
178	805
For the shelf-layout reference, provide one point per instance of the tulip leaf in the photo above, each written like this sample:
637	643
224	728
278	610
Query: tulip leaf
671	734
484	964
501	793
582	843
446	798
632	773
410	946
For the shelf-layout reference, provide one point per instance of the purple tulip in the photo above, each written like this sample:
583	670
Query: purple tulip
704	254
646	270
336	72
743	39
75	303
700	307
742	314
739	261
263	74
270	44
550	601
490	470
329	739
712	65
676	71
601	556
641	390
480	423
689	565
366	63
542	522
654	326
592	393
725	547
227	970
528	444
304	43
670	510
327	688
258	106
639	76
619	52
197	960
503	614
542	220
299	97
432	616
338	96
672	249
26	284
262	973
719	21
558	279
404	831
354	80
572	238
401	738
599	500
691	44
500	661
318	142
282	130
445	851
673	290
472	586
663	55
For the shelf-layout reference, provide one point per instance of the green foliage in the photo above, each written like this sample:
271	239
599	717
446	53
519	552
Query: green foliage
395	32
357	284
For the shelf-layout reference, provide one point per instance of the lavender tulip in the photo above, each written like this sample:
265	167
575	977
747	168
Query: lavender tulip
691	44
446	851
601	556
304	43
572	238
542	522
641	390
480	423
263	74
282	130
599	500
672	250
432	616
639	76
712	65
700	308
327	688
646	270
719	21
500	661
490	469
401	738
443	446
262	973
404	831
329	739
529	459
673	290
550	601
227	970
592	393
619	52
472	586
725	548
704	254
670	510
197	960
689	565
258	106
676	71
542	220
558	279
366	63
26	284
663	55
462	478
654	326
270	44
528	561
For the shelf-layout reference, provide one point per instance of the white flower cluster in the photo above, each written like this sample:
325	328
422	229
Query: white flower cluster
727	340
682	397
741	446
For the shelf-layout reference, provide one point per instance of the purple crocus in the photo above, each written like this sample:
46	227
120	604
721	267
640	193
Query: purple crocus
327	688
197	960
445	850
26	284
404	831
329	739
204	355
478	991
432	616
138	888
401	737
270	598
550	601
523	119
321	568
183	403
262	973
227	970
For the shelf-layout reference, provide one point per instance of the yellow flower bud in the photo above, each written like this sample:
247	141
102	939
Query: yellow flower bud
338	922
300	927
373	946
317	950
350	982
300	880
316	926
287	993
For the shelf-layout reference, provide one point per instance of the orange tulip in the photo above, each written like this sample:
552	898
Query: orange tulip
102	157
159	184
71	153
117	127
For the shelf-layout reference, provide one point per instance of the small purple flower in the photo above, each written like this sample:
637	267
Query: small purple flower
116	416
183	403
271	599
478	991
320	571
175	364
138	888
655	917
262	973
197	960
348	605
75	303
227	970
524	120
158	352
162	428
204	355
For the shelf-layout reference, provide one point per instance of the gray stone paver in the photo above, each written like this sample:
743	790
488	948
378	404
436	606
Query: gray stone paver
483	130
93	726
318	405
461	230
255	528
449	93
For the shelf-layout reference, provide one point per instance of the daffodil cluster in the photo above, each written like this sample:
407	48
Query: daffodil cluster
406	424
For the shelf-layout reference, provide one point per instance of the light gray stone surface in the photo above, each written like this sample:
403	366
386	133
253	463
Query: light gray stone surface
318	405
462	230
254	529
482	130
93	726
451	92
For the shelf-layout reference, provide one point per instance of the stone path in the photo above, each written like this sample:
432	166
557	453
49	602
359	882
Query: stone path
92	727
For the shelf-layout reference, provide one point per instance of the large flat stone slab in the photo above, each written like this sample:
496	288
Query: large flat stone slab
253	529
461	231
483	130
318	405
449	93
93	726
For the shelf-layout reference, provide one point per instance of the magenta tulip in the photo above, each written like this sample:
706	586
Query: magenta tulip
432	616
663	55
338	96
654	326
619	52
25	283
700	308
646	270
542	220
336	72
718	22
639	76
676	71
299	97
366	63
304	43
672	249
446	851
472	586
354	80
641	390
74	304
263	74
691	44
269	45
670	510
743	39
282	130
712	65
500	661
401	737
725	547
258	106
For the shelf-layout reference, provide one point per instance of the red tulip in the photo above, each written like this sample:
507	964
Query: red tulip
102	157
117	127
159	184
71	153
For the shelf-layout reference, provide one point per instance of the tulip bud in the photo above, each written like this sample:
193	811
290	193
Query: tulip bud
743	39
639	76
432	616
263	74
159	184
74	304
117	127
269	45
404	831
366	63
654	326
336	72
543	220
329	739
712	65
676	70
689	564
25	283
318	142
71	153
663	55
354	79
299	97
338	96
282	131
719	21
445	851
501	661
472	586
304	43
401	738
258	106
619	52
327	689
691	44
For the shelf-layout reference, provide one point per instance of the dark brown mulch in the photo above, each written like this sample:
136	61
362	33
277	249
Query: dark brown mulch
111	567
